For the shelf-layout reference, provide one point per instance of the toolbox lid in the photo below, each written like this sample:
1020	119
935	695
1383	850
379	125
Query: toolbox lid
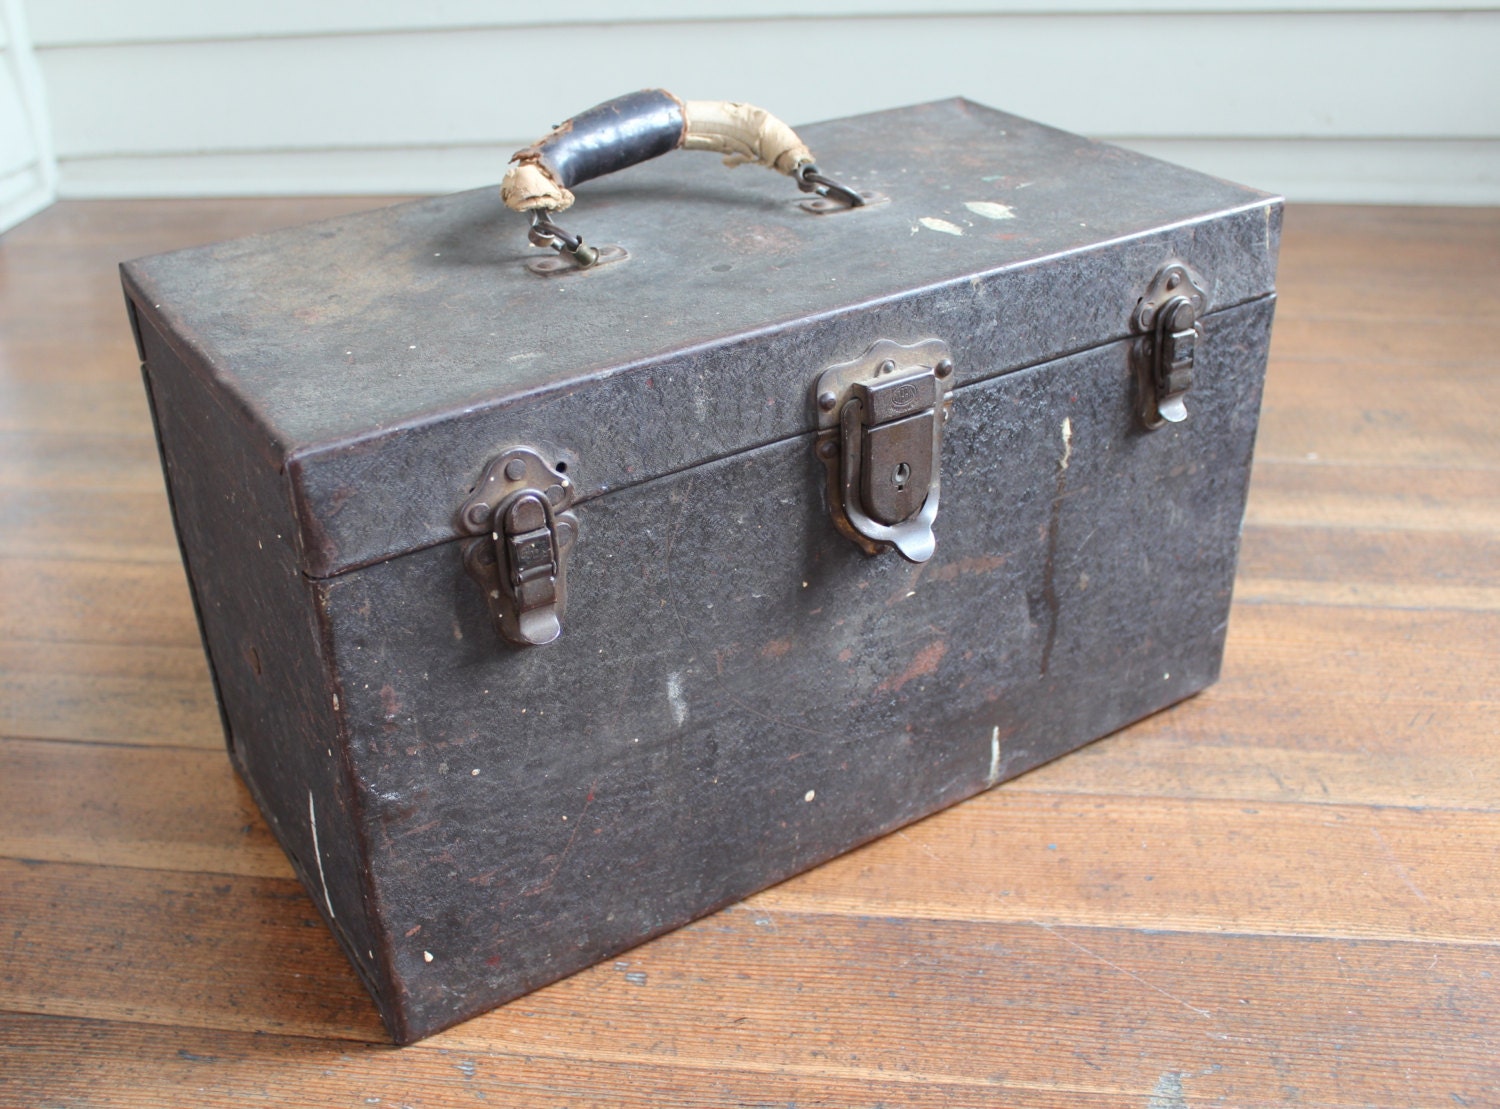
384	358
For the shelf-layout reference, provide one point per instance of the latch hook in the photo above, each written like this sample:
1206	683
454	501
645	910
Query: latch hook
1168	317
518	510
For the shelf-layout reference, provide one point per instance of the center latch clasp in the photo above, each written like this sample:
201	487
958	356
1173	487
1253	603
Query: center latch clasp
880	422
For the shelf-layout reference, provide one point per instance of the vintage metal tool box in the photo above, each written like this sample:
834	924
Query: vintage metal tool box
550	608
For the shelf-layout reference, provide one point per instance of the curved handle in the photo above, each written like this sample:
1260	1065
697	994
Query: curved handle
635	128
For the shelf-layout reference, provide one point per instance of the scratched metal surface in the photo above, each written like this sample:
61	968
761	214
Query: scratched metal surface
740	694
386	357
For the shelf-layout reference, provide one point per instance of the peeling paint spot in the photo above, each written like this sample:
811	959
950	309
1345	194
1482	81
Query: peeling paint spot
932	223
990	210
977	564
312	820
390	704
427	956
923	664
809	795
1067	436
776	648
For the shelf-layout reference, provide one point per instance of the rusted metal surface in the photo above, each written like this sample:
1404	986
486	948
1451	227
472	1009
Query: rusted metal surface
740	692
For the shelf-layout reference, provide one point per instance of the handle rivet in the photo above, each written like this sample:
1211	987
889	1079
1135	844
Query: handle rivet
515	469
828	449
478	515
888	366
826	401
944	367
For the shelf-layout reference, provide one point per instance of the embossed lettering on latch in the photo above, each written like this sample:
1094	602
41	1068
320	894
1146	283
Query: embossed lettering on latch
1168	317
880	435
519	511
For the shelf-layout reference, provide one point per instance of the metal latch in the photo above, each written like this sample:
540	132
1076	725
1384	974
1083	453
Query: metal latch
1167	316
519	511
880	436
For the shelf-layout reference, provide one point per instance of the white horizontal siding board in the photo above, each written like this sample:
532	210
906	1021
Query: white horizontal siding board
1390	171
1430	75
1381	172
369	172
28	171
79	22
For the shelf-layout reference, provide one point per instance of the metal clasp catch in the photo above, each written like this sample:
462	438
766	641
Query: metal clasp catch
880	421
1168	317
519	510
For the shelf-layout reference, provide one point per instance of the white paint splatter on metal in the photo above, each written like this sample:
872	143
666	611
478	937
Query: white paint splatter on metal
674	698
994	775
809	795
932	223
990	210
312	820
1067	434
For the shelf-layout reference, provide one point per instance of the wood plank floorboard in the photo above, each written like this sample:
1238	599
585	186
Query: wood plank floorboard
1282	891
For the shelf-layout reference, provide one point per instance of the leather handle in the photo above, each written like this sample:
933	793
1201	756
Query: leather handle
635	128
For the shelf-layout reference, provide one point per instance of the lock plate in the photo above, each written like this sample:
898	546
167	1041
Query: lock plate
880	435
524	532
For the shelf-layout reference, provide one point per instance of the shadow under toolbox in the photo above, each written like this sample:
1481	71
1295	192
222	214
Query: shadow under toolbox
711	472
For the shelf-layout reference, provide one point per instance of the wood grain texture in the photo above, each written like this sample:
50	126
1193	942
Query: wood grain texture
1280	892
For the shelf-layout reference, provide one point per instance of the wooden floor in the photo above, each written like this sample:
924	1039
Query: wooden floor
1286	891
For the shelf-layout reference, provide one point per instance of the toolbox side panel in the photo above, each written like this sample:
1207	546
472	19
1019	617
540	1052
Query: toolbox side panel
740	694
258	617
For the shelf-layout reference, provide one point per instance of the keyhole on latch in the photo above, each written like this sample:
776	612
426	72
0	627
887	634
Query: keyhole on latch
901	476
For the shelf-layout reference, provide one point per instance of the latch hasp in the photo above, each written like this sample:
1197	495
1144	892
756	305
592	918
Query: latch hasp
880	437
525	533
1168	317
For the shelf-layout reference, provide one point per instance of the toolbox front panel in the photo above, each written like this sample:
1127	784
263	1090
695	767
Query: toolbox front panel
739	693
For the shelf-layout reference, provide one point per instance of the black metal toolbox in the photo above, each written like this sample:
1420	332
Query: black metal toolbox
551	607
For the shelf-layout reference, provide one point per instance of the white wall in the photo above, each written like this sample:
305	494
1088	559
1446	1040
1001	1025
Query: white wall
28	176
1395	102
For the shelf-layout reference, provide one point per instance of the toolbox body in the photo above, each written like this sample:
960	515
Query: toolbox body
740	689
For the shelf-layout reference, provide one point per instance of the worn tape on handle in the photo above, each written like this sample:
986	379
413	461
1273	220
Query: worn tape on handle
639	126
